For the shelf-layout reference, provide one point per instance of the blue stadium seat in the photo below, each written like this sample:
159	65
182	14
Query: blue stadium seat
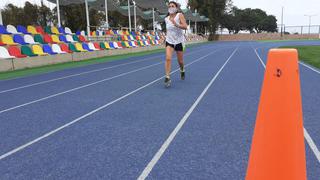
86	47
20	40
22	29
3	30
63	38
47	49
61	30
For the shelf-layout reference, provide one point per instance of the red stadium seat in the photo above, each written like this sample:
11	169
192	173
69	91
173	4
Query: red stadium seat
97	46
82	38
40	30
65	48
16	52
47	39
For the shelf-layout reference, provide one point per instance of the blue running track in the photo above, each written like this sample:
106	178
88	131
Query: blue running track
117	121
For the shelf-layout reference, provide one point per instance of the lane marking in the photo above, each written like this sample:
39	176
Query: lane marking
94	111
75	75
80	74
307	136
81	87
173	134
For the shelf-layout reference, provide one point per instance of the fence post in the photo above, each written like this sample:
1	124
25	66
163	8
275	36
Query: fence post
301	30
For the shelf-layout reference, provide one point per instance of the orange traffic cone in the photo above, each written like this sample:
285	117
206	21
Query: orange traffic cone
278	150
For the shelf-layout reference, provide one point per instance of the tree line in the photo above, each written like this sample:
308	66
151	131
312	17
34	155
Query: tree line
221	13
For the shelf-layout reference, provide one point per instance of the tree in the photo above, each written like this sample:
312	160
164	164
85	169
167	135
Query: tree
213	9
252	20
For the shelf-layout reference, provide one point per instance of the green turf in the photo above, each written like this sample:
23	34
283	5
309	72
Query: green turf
308	54
61	66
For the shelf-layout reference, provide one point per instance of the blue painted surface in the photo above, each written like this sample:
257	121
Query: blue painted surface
119	141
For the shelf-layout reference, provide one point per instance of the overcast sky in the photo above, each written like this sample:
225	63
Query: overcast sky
294	10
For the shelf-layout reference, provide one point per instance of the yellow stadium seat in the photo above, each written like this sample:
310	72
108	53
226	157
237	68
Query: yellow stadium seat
54	30
125	38
127	44
107	45
32	30
55	39
94	34
37	49
79	47
7	39
127	32
111	32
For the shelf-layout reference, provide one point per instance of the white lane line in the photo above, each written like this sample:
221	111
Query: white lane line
77	88
308	138
80	74
81	87
255	50
94	111
75	75
309	67
173	134
312	144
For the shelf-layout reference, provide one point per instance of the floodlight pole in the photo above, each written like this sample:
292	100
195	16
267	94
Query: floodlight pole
106	9
88	20
153	19
282	21
58	13
135	16
310	17
129	14
1	21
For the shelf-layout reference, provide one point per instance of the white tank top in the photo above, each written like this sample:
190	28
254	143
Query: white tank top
174	34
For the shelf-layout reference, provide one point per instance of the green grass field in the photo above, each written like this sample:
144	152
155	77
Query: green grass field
308	54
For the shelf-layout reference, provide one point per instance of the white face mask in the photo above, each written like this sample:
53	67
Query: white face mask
172	10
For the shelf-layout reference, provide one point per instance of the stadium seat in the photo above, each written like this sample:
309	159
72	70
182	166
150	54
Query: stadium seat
132	44
47	49
116	46
38	38
115	32
120	45
78	33
93	34
136	43
37	49
85	46
29	39
82	39
4	54
111	44
79	47
3	30
16	52
18	39
67	30
73	48
70	39
47	39
1	43
32	30
56	49
61	30
97	46
103	46
141	43
47	30
26	50
7	39
22	29
65	48
54	30
125	44
107	45
83	33
11	29
63	39
75	38
92	46
40	30
55	39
